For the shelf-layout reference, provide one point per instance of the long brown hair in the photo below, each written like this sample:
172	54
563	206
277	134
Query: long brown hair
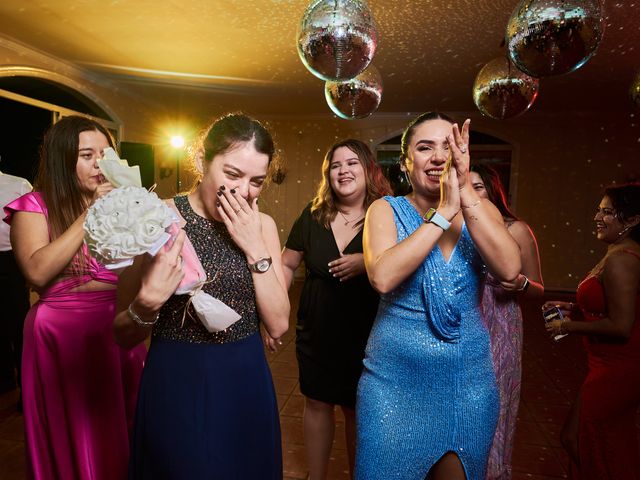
57	179
323	206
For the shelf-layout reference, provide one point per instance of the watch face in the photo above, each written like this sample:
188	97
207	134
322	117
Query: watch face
262	265
429	215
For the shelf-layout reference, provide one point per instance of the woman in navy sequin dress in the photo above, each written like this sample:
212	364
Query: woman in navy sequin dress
427	399
207	406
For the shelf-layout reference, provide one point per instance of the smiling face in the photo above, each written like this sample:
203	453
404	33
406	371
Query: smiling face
346	175
427	154
241	167
608	226
91	144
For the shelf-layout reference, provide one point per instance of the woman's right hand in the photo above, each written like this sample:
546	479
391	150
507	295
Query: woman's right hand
161	275
101	191
565	307
449	204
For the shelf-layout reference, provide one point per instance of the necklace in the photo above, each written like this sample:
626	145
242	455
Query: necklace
346	220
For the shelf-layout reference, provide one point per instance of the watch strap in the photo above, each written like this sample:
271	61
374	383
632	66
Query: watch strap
432	216
254	267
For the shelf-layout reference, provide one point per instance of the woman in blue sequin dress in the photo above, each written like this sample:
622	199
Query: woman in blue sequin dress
427	399
207	407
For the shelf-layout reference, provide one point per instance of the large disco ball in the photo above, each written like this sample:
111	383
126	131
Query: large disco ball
635	91
337	38
355	98
502	91
552	37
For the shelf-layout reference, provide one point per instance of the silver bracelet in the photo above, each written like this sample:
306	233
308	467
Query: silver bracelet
136	318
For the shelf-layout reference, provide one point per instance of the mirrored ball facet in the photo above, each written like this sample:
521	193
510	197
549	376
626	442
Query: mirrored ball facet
337	38
501	91
553	37
355	98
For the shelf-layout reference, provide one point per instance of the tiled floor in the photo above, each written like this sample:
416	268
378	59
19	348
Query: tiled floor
552	372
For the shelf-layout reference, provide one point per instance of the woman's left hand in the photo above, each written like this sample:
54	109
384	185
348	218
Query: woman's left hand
347	266
459	148
554	327
242	221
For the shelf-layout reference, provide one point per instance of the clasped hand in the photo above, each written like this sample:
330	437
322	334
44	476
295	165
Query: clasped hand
456	171
347	266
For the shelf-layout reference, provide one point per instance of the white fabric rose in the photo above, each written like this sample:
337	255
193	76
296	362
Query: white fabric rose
125	223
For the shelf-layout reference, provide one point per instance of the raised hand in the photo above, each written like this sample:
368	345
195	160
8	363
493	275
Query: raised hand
101	191
242	221
459	148
449	192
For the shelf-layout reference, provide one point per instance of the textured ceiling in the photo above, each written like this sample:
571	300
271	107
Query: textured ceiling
242	53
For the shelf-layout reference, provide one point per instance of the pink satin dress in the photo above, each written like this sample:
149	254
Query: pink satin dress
79	387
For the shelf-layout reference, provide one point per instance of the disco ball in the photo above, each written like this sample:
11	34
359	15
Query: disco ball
337	38
552	37
502	91
355	98
635	91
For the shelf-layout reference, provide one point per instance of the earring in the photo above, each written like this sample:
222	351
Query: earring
624	230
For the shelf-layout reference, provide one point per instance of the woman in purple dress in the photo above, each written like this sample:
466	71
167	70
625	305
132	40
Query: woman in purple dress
501	312
79	387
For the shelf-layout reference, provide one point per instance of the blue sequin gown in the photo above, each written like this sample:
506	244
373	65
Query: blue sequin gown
428	385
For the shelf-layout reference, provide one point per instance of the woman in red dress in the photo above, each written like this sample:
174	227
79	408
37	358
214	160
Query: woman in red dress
600	433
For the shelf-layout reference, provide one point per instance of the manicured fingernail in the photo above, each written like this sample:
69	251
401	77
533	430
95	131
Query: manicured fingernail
222	187
219	194
218	203
233	190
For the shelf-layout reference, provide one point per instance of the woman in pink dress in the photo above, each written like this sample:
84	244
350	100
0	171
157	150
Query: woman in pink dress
501	312
79	387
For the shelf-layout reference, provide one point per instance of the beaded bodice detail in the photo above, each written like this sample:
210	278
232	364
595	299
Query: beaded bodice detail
228	279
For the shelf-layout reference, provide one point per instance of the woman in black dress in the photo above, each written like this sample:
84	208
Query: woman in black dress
337	306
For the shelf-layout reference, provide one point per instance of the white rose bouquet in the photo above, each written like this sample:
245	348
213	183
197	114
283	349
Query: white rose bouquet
129	220
125	223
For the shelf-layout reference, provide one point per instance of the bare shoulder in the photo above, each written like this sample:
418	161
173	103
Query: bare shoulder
379	209
520	231
623	265
519	227
170	202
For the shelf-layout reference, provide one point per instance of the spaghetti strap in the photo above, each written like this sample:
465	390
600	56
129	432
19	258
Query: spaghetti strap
631	252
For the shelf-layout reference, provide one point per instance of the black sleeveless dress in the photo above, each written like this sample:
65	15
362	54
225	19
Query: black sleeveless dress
207	407
334	318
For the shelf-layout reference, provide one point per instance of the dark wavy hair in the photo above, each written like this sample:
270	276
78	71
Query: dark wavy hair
495	190
323	206
231	129
625	199
56	178
407	135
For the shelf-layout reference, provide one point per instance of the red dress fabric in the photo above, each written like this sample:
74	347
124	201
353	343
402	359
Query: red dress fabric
610	395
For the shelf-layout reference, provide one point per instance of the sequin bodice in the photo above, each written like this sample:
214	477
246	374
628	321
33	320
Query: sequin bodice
228	277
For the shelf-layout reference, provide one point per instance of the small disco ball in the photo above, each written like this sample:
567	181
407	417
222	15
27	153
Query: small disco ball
502	91
552	37
355	98
337	38
635	91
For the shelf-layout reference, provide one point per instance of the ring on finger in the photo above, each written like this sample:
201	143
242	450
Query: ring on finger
463	148
236	211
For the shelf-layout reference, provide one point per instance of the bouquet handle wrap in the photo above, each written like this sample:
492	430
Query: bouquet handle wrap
214	314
